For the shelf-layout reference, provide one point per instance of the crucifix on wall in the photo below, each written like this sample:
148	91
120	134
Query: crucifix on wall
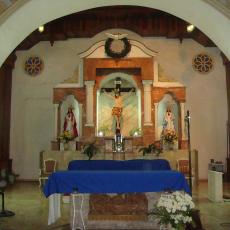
118	100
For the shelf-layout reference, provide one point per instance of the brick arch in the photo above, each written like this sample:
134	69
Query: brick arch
60	94
178	93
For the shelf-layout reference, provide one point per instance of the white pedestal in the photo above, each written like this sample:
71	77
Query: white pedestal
72	146
215	186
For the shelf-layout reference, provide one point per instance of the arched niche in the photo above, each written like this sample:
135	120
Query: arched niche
168	101
131	113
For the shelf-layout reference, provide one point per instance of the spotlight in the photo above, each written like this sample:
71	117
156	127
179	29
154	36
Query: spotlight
190	28
135	134
41	29
100	134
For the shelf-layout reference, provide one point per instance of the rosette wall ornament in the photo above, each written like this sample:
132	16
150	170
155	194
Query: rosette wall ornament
202	63
33	66
117	45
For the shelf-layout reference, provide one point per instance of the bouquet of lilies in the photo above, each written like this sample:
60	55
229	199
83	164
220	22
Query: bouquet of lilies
175	209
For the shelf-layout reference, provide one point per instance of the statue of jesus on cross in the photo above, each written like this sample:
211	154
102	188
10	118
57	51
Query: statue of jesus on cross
118	105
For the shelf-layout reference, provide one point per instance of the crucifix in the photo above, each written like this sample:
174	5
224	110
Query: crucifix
118	99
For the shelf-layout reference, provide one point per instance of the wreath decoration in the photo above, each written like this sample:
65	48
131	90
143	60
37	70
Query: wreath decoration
117	54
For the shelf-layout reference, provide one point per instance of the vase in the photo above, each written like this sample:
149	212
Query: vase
168	146
66	146
165	227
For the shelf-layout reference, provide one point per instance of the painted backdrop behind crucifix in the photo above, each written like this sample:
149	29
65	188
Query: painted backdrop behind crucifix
117	107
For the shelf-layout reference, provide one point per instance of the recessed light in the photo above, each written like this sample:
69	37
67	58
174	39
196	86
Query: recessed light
190	28
41	29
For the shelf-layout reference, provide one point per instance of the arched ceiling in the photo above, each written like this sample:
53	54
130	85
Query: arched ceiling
144	21
16	26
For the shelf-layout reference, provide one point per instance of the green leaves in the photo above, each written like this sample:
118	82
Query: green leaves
90	150
152	148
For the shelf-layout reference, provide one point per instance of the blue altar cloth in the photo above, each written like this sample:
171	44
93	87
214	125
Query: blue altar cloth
113	181
139	164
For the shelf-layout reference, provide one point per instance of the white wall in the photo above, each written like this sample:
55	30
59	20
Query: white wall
32	110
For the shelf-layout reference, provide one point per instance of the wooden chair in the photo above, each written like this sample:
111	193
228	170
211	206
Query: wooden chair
48	167
183	167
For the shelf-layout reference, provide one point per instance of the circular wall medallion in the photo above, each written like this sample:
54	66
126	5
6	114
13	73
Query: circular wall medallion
117	48
202	63
34	65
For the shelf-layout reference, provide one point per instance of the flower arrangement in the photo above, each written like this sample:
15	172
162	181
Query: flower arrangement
175	209
169	136
66	136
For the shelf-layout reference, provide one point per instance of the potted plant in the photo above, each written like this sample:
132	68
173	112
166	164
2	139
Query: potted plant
90	150
152	148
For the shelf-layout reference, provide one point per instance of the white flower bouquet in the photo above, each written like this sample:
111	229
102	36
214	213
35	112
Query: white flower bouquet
175	209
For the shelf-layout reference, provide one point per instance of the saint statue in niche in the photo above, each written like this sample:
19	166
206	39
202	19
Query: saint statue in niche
168	124
70	123
169	133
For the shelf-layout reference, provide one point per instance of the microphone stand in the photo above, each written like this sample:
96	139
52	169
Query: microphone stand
187	118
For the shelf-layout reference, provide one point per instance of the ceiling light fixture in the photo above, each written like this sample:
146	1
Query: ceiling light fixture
190	28
41	29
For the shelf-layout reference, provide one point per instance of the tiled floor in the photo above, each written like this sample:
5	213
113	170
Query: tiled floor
30	206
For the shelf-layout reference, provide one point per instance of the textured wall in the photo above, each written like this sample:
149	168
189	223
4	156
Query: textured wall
32	110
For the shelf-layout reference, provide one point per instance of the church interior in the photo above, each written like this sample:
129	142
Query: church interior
104	88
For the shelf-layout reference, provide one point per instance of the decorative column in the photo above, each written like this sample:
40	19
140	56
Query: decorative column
226	62
80	121
183	135
155	69
5	111
147	102
56	121
89	102
156	121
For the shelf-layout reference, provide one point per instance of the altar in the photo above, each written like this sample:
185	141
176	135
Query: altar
64	157
95	177
120	106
